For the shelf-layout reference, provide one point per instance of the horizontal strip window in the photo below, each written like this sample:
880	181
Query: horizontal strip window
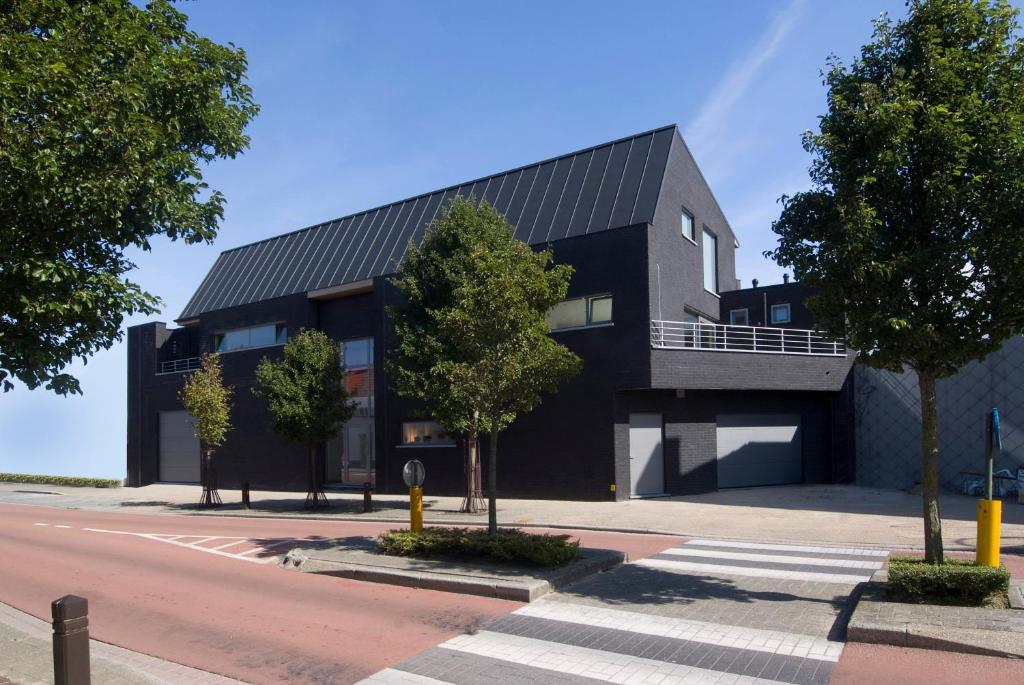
425	434
581	312
250	337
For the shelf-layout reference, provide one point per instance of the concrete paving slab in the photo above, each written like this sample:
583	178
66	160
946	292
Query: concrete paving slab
356	558
969	630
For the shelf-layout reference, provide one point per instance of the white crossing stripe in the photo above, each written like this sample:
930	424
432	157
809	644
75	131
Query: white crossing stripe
790	548
609	667
58	526
393	676
231	544
775	642
779	558
40	524
690	567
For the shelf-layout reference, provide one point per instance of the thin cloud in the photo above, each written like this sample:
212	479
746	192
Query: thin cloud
707	125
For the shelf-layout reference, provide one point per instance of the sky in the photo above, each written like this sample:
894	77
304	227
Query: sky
367	103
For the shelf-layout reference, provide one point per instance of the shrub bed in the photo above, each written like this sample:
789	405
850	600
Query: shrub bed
958	581
72	481
509	545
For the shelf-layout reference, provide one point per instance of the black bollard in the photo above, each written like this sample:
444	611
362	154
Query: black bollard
245	495
70	640
367	497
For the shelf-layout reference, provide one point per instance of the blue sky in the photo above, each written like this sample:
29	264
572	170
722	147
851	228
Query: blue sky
366	103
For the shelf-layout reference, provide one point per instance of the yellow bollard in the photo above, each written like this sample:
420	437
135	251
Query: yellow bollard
416	509
989	516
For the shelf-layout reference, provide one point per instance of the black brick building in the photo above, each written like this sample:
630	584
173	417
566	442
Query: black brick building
689	383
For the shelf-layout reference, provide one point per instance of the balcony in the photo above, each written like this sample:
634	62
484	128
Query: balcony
713	337
179	365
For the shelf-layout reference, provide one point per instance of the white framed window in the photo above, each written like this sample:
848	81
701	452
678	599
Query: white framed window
780	313
739	317
581	312
425	434
710	261
686	222
250	337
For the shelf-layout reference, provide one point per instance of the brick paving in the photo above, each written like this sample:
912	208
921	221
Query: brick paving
707	611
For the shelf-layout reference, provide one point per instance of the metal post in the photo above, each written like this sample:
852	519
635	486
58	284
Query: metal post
367	497
245	495
989	509
416	509
70	640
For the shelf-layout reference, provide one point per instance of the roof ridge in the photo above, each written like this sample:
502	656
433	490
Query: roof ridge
456	185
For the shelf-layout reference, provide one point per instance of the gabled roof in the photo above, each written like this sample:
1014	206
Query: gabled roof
608	186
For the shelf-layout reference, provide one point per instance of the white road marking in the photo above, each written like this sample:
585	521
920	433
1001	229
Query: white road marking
689	568
393	676
173	540
778	558
790	548
582	661
264	548
736	637
62	526
40	524
230	544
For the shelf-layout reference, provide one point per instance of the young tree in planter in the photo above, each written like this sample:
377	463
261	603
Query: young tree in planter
306	398
914	231
209	402
471	339
109	114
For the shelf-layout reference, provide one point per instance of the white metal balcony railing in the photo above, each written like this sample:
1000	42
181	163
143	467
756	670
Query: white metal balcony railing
714	337
179	365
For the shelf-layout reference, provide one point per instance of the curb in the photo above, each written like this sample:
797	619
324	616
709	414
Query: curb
526	590
566	526
924	635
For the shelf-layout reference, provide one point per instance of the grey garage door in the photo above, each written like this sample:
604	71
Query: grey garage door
179	448
759	449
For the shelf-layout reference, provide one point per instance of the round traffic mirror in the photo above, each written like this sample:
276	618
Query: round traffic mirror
413	473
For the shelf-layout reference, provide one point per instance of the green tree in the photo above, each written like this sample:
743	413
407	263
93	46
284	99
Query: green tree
913	232
306	398
471	339
209	402
108	114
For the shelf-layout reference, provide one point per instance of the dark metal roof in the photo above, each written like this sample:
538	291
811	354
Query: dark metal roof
608	186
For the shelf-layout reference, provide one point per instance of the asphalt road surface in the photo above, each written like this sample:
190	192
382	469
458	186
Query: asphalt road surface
203	591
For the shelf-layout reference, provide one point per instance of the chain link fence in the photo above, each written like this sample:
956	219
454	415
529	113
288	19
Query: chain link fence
887	422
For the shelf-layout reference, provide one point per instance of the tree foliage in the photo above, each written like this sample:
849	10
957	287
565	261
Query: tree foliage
304	389
471	339
206	397
108	113
913	232
306	397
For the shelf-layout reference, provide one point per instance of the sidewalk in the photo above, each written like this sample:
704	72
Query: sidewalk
809	513
26	658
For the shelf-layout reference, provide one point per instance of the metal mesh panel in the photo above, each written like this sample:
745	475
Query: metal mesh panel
887	421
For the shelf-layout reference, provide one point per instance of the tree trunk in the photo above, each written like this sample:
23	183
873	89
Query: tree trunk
315	498
492	484
210	496
474	501
933	552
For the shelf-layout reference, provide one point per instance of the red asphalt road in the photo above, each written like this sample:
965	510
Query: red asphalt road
862	664
254	622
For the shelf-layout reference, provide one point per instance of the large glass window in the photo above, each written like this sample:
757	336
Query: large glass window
581	312
710	261
425	434
252	336
357	358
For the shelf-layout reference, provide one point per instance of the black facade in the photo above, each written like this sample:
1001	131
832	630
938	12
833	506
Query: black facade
616	218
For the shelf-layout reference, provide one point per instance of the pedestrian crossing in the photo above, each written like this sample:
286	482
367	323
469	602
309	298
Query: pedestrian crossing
706	611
